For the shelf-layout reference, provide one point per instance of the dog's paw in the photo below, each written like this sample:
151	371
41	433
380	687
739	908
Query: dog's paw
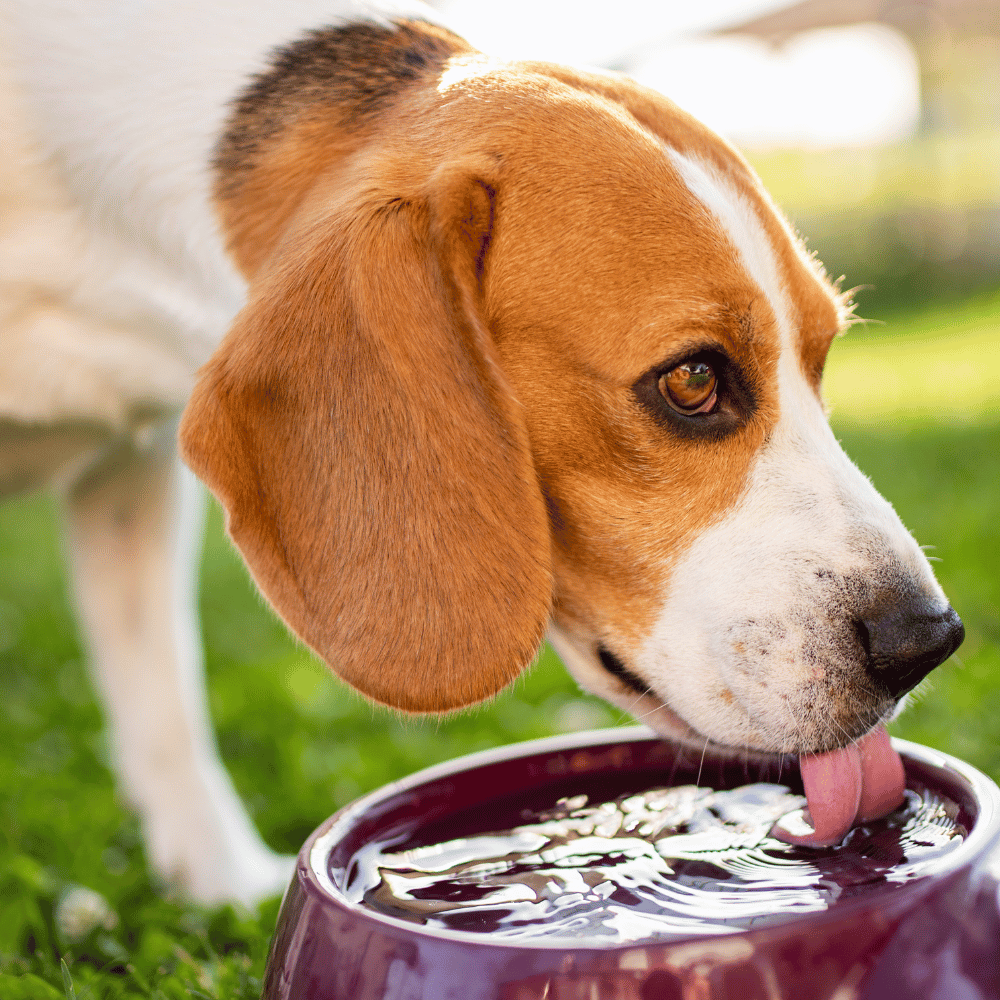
210	852
248	882
243	878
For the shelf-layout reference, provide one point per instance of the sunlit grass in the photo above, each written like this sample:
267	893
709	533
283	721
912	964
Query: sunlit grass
941	365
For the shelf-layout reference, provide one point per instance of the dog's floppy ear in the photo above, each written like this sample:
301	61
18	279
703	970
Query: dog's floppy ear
372	463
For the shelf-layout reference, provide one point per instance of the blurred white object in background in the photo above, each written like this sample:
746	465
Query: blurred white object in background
844	86
588	31
853	86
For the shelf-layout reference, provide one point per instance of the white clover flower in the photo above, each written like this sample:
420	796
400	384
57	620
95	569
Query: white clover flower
80	911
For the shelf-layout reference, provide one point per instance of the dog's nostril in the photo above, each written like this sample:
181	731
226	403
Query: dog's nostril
906	643
614	666
864	637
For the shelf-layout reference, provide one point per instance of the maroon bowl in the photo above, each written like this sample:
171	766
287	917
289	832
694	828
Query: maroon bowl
935	937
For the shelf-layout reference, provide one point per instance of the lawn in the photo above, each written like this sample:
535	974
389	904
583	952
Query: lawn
916	402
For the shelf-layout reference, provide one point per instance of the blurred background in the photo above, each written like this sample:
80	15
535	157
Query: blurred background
876	125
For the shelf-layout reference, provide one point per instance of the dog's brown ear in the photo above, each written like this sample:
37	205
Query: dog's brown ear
372	463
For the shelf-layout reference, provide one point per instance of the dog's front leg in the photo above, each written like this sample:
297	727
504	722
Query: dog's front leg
134	526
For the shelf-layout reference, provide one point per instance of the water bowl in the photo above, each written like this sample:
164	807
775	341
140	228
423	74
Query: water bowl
908	909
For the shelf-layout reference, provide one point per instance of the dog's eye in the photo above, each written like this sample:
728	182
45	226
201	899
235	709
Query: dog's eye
690	388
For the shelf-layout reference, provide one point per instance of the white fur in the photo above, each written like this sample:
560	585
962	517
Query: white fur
134	530
131	254
114	288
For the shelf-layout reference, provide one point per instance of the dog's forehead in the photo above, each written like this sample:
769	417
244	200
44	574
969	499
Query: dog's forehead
806	309
643	244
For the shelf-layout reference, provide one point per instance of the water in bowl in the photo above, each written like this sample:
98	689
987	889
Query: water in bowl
660	864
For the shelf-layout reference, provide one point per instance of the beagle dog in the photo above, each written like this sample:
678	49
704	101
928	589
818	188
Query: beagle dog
468	351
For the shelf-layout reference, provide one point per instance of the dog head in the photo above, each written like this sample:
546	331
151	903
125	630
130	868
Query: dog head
524	344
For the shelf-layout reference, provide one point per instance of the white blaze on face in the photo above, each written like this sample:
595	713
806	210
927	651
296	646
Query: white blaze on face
756	642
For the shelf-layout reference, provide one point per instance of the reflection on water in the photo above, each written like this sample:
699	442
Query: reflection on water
666	863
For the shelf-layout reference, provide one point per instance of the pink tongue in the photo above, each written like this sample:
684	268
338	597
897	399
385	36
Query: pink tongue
861	782
884	780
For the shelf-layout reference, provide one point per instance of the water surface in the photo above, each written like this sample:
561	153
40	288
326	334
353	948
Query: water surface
661	864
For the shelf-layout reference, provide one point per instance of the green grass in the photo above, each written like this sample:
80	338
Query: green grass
940	364
914	221
954	169
299	744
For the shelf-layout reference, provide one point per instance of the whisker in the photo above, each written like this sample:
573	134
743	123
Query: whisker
627	712
702	762
791	716
850	739
635	701
655	708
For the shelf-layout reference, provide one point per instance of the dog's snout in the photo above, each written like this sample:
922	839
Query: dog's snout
907	641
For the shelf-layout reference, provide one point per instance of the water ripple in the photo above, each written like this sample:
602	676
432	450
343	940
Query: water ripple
666	863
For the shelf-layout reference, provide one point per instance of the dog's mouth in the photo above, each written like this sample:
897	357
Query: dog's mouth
852	784
651	709
616	668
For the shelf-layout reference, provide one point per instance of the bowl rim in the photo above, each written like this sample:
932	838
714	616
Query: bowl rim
313	875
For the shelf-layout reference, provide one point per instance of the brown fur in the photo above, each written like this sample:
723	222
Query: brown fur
425	426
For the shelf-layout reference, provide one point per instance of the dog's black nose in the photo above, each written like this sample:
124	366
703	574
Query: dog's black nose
906	641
